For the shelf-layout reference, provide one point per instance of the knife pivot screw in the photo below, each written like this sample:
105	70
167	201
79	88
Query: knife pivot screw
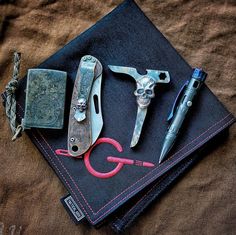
189	103
72	139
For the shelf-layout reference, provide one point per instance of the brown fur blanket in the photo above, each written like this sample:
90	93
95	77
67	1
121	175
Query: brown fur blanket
203	32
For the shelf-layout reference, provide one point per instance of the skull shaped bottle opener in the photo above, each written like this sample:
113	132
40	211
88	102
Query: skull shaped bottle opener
85	120
144	92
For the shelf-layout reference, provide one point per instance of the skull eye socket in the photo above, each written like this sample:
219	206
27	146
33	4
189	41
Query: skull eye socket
140	91
148	92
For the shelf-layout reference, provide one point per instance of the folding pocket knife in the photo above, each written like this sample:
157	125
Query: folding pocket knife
85	120
144	92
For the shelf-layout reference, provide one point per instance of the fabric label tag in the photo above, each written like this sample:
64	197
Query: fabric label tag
72	208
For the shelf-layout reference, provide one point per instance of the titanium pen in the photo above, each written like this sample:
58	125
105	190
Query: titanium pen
178	113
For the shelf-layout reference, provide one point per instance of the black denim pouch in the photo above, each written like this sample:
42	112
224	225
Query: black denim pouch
128	213
126	37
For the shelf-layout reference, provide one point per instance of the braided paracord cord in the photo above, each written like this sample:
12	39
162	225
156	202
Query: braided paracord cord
11	99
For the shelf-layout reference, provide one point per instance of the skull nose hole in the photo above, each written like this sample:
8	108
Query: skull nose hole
162	76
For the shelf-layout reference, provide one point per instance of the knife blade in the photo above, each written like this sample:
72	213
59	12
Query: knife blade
95	109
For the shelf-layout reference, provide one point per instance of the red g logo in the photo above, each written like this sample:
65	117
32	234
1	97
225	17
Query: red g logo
120	161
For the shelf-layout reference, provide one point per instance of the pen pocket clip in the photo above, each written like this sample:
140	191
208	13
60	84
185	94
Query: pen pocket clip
176	102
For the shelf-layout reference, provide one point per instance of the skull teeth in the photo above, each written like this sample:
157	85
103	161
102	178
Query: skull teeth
143	102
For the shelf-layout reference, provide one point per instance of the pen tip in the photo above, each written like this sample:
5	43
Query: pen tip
163	155
161	159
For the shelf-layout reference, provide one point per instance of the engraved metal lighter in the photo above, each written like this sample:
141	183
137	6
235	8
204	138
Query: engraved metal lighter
144	92
45	99
85	121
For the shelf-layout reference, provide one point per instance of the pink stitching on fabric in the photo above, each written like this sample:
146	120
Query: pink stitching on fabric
136	181
121	192
155	175
60	173
66	171
61	165
144	196
140	200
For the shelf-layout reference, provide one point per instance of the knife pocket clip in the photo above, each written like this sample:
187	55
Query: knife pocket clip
85	84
